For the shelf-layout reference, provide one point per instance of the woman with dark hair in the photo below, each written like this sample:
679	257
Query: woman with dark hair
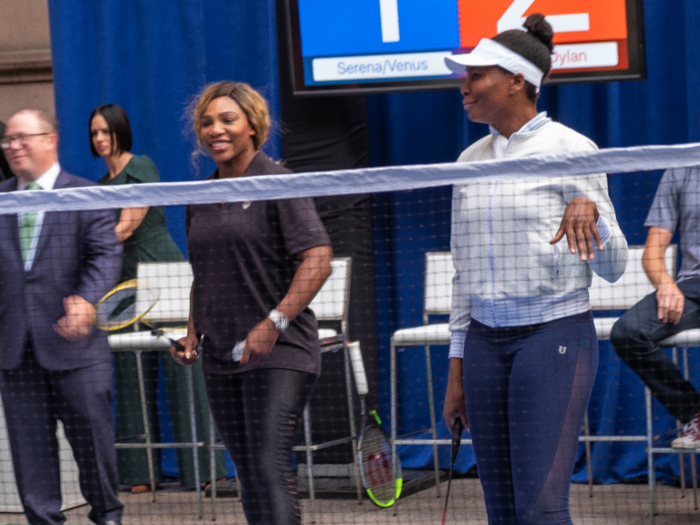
257	266
524	353
145	237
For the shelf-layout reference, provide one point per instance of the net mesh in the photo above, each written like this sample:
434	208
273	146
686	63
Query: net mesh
389	286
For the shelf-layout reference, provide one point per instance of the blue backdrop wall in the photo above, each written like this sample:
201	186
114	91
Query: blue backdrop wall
152	56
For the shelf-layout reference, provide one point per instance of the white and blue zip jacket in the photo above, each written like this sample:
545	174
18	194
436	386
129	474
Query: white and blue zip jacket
507	273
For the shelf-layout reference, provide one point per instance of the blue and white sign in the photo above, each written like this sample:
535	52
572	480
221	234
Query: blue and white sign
343	28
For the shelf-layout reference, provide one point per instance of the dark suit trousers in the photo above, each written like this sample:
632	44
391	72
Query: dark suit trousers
34	400
634	337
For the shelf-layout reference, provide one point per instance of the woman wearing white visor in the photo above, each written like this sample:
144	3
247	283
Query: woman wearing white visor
524	352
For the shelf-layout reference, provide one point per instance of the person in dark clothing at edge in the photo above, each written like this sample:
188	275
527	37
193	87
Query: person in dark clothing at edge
5	171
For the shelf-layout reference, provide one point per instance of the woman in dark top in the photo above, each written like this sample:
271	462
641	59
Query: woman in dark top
145	236
257	266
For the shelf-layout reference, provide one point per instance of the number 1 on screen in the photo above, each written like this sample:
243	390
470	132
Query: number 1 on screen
389	12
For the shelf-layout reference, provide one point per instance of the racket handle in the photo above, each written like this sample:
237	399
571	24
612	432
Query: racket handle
358	368
176	345
456	438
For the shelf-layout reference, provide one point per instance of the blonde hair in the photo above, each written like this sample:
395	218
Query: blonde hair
250	101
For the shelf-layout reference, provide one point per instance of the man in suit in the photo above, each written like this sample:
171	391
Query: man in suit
54	363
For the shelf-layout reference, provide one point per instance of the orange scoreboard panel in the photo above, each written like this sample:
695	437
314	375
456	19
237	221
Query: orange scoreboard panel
589	34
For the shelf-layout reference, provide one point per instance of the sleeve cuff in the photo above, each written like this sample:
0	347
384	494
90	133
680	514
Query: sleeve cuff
457	340
603	230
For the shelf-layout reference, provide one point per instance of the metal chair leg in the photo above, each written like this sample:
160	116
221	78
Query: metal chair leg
309	461
146	426
587	448
394	408
694	474
433	419
212	464
650	454
681	457
693	464
351	417
195	447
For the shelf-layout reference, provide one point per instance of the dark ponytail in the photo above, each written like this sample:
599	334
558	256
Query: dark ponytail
538	27
535	45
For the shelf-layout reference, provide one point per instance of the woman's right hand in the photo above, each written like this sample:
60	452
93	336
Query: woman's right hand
455	406
190	354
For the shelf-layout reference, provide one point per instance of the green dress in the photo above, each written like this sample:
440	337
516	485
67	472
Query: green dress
151	242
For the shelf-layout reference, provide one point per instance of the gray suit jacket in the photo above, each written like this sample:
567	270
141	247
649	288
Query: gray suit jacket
77	254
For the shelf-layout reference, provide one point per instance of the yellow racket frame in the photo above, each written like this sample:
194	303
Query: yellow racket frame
132	283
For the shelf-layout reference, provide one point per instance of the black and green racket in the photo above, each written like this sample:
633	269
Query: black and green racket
457	428
380	472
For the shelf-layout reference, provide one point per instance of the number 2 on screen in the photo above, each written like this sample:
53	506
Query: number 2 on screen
389	13
513	19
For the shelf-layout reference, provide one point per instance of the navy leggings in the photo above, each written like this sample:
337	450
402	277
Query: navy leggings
526	390
258	414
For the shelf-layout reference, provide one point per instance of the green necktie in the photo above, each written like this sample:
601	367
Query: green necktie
26	227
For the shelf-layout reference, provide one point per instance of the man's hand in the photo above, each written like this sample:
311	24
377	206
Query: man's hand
259	343
669	298
579	226
78	321
670	301
190	354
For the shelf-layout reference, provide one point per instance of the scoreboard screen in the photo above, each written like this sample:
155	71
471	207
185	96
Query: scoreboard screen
374	46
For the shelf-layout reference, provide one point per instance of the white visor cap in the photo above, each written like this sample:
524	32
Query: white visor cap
490	53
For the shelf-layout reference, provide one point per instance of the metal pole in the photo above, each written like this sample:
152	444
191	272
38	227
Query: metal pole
212	464
193	428
146	426
394	408
433	419
650	454
693	466
353	431
587	447
309	461
681	457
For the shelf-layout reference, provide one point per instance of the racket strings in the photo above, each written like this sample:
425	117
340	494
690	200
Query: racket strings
118	308
377	465
125	305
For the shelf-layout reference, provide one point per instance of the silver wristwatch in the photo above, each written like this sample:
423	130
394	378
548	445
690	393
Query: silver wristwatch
279	320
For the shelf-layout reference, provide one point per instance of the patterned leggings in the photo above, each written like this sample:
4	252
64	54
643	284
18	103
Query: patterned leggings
258	414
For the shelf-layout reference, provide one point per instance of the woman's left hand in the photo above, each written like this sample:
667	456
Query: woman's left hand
259	343
579	226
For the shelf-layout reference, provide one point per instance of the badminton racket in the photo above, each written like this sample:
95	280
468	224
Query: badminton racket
381	476
127	304
456	441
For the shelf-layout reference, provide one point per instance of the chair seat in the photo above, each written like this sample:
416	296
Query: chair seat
326	333
439	334
684	339
603	326
146	341
431	334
